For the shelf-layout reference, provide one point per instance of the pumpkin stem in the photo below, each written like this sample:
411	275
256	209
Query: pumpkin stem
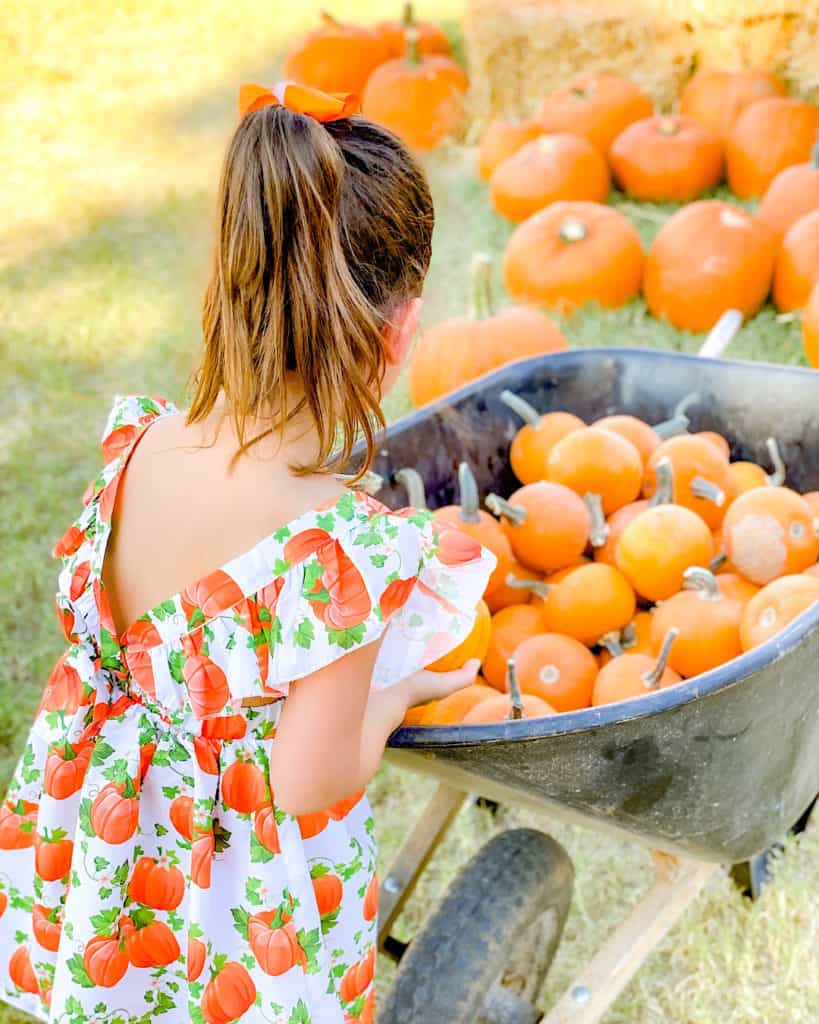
685	403
513	686
572	230
777	478
413	36
668	126
814	158
368	482
703	581
702	488
328	19
598	527
717	563
481	276
501	508
536	587
672	427
628	636
528	413
469	494
408	17
413	483
652	678
613	642
664	493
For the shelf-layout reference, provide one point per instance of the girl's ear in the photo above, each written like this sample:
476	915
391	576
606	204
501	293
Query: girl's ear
400	332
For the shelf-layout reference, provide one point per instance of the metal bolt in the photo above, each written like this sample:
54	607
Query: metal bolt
392	885
581	994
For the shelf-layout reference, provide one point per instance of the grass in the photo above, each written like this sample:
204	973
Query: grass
116	117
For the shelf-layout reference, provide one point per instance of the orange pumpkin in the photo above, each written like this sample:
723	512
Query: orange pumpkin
243	787
547	524
18	821
46	923
558	669
588	602
357	978
150	943
52	854
637	637
546	169
643	436
501	140
666	159
596	461
473	646
497	709
810	327
336	57
687	285
812	498
597	107
746	475
228	995
431	37
701	479
565	255
767	137
479	525
510	627
792	193
532	443
452	709
509	592
619	520
105	960
419	98
720	442
459	350
658	546
716	98
797	265
181	815
157	885
634	675
769	532
21	971
370	908
775	606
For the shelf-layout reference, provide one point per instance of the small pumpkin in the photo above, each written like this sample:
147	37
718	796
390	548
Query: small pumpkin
243	787
792	193
619	520
558	669
666	159
641	434
746	475
148	943
546	524
716	98
431	37
531	445
356	980
501	140
587	603
510	627
797	265
228	995
418	97
597	461
685	284
597	107
105	960
509	592
700	475
547	169
156	884
18	824
810	328
775	606
510	706
451	710
335	57
635	675
769	532
459	350
474	645
21	971
52	854
566	255
767	137
658	546
636	638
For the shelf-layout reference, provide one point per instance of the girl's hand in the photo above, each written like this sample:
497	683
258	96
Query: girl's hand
425	685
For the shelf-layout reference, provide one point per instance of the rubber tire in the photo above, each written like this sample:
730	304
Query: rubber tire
751	876
489	910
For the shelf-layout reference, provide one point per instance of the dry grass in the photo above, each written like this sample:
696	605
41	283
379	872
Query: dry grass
112	123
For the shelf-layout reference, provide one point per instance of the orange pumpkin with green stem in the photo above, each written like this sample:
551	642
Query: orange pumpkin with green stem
769	532
797	265
431	37
658	546
666	159
547	169
619	520
793	193
766	138
547	524
701	479
510	627
586	603
534	441
336	57
459	350
775	606
635	675
597	107
563	257
510	706
595	461
716	98
501	140
558	669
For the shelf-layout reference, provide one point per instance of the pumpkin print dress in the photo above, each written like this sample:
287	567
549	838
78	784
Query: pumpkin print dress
146	872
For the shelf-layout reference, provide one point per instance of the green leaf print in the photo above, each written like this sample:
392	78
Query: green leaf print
420	519
142	917
100	1008
148	406
312	574
194	1011
20	902
326	521
196	619
121	874
250	962
85	817
102	751
258	853
252	891
78	973
304	635
329	921
109	649
241	917
20	937
379	561
347	638
164	1002
370	539
281	534
310	942
29	772
105	892
178	752
280	567
176	659
300	1014
219	961
345	506
175	922
105	920
100	864
275	632
170	792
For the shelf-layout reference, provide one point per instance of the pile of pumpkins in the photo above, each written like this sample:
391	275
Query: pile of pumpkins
627	561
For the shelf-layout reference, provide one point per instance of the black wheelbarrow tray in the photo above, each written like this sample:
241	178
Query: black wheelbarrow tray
712	771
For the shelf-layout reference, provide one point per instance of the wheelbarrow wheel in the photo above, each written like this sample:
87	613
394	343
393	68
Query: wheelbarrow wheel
483	955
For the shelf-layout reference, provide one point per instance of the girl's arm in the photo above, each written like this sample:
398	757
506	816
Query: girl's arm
333	730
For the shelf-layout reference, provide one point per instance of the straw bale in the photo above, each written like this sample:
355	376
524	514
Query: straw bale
802	64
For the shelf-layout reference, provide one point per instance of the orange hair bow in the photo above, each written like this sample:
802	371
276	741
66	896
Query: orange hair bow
300	99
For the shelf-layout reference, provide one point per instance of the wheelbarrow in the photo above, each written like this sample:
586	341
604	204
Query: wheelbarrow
713	771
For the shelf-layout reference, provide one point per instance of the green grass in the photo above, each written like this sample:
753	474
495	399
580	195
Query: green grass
116	117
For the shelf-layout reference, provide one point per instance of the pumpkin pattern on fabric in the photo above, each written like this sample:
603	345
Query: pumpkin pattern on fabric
146	872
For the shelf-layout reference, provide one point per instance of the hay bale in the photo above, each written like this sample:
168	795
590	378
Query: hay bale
519	51
802	65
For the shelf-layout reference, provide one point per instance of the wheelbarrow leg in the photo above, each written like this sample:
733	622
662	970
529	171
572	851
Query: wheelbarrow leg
677	885
411	860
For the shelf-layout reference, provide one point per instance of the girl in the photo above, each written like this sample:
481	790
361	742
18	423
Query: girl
186	837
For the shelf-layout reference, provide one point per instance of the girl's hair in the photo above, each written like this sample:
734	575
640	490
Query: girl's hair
323	231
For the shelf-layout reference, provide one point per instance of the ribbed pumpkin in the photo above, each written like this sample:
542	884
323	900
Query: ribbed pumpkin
549	168
775	606
769	532
431	37
597	107
765	139
659	545
534	441
666	159
461	349
810	328
501	140
547	524
595	461
336	57
701	478
707	258
572	253
797	265
420	98
793	193
716	98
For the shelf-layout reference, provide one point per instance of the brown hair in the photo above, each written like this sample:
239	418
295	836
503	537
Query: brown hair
323	231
